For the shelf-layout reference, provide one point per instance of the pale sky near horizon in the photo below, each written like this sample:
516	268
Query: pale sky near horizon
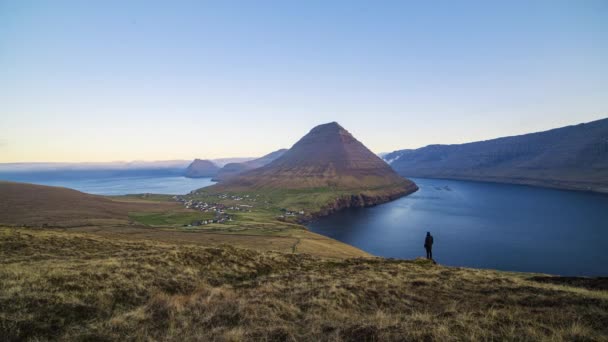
159	80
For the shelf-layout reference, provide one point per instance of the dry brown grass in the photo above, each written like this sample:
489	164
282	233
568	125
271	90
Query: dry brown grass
287	241
23	204
65	286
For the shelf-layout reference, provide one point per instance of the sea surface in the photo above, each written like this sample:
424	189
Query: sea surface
474	224
484	225
103	183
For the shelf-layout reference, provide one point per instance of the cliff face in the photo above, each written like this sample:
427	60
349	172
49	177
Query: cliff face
201	168
365	199
573	157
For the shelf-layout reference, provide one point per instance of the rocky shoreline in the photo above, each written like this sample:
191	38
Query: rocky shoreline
361	200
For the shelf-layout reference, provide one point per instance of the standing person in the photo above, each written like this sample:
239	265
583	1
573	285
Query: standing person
428	245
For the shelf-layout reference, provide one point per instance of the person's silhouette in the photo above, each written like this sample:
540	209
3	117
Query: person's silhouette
428	245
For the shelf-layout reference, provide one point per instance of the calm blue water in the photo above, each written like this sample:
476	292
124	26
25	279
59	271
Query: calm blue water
117	185
484	225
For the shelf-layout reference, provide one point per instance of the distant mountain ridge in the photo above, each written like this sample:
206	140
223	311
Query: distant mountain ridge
107	166
233	169
86	166
571	157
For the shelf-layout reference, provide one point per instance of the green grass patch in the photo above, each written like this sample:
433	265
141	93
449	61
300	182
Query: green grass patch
144	197
169	218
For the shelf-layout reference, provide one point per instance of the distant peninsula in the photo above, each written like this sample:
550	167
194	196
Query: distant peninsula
201	168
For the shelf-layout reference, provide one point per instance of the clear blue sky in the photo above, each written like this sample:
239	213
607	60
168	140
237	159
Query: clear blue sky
154	80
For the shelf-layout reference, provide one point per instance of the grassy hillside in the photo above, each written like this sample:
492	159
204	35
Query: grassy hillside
75	286
159	218
36	205
268	204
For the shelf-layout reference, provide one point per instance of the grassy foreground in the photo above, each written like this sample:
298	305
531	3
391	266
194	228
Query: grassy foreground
159	218
77	286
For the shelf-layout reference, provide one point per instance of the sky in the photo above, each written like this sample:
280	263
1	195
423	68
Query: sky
159	80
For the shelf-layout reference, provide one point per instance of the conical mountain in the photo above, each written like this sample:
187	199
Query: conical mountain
328	156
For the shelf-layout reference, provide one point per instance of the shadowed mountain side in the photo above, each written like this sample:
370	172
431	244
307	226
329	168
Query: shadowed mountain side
30	204
232	169
572	157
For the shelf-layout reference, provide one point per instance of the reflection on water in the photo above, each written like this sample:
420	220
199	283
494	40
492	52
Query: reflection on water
486	225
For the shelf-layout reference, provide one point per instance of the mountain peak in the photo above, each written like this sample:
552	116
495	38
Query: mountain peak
327	156
329	129
330	126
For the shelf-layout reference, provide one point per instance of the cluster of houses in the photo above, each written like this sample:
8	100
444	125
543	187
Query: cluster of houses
201	206
220	219
218	208
289	213
235	197
214	207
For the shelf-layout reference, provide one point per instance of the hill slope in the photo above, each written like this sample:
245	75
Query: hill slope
154	217
233	169
572	157
34	205
73	287
201	168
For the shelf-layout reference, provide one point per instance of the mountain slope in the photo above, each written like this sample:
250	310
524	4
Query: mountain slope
201	168
233	169
328	156
325	171
572	157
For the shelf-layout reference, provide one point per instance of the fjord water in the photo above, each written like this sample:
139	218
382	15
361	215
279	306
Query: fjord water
110	185
484	225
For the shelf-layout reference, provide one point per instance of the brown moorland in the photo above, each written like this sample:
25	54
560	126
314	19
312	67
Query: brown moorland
35	205
30	205
73	286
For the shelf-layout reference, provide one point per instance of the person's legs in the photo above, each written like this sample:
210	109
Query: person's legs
431	253
428	253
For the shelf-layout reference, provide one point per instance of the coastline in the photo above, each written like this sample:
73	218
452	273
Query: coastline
556	185
360	200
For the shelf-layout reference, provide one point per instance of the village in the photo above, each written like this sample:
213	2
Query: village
288	213
219	209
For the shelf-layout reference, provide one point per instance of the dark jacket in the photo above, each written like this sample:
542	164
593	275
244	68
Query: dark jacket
428	242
